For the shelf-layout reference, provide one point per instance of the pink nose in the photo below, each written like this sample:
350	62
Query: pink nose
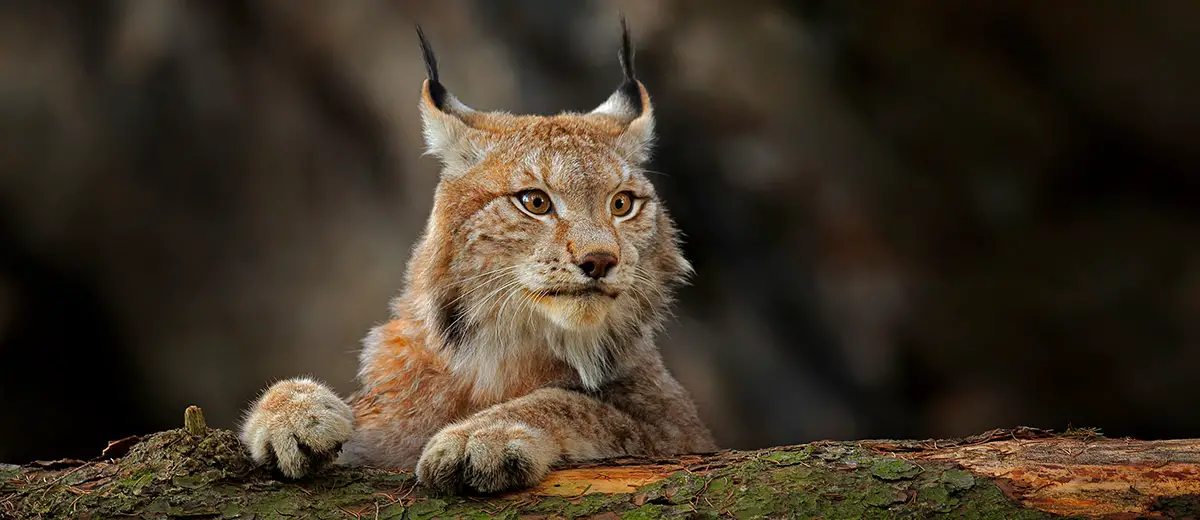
596	265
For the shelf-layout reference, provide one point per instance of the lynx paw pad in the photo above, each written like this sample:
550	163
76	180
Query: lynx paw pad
486	459
298	425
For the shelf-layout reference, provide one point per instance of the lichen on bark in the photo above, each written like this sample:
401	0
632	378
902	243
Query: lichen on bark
180	474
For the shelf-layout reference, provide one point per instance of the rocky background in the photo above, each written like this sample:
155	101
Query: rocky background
909	219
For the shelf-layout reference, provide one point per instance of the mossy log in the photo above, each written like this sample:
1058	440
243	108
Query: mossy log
198	472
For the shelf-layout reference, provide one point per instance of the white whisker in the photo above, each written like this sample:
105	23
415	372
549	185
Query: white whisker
480	285
472	312
480	275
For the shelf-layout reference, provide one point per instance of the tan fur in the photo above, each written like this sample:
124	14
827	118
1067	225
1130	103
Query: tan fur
295	413
491	369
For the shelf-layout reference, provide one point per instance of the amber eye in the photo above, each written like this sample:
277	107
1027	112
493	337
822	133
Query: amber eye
621	204
535	201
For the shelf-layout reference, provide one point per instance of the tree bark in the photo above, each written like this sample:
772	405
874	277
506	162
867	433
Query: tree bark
1019	473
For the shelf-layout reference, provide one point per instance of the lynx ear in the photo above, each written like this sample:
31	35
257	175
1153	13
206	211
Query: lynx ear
446	121
630	105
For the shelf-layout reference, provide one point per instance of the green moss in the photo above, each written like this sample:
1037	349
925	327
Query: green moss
677	488
957	480
687	486
137	482
231	509
188	481
393	511
588	505
645	512
193	510
471	510
173	475
160	505
9	478
787	458
884	496
426	509
895	469
689	514
830	453
986	502
755	504
1082	432
937	498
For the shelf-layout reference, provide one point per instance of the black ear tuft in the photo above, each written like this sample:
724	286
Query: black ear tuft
626	54
630	87
436	90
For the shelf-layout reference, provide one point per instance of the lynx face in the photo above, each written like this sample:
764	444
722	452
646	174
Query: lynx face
552	220
545	231
562	232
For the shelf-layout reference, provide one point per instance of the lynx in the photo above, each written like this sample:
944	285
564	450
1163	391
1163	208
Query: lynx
525	333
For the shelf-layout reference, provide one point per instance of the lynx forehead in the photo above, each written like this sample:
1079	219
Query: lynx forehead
525	333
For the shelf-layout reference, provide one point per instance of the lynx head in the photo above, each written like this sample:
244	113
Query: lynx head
545	232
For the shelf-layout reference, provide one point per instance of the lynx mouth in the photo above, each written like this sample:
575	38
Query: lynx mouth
580	292
575	307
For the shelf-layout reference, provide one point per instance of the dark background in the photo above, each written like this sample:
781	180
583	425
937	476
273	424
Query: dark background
909	219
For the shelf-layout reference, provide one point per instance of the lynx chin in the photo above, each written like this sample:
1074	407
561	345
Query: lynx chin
525	334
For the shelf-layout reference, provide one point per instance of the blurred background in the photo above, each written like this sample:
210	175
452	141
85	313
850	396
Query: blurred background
916	219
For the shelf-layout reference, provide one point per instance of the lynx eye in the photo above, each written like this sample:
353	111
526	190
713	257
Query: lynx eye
621	204
535	201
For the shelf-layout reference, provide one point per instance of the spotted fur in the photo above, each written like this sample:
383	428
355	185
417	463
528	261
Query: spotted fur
503	357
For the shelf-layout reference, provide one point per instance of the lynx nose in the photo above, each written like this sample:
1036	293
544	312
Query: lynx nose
596	265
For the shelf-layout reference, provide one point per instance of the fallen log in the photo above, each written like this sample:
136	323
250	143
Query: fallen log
199	472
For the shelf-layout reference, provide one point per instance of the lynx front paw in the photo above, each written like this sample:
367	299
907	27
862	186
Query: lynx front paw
299	425
485	459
